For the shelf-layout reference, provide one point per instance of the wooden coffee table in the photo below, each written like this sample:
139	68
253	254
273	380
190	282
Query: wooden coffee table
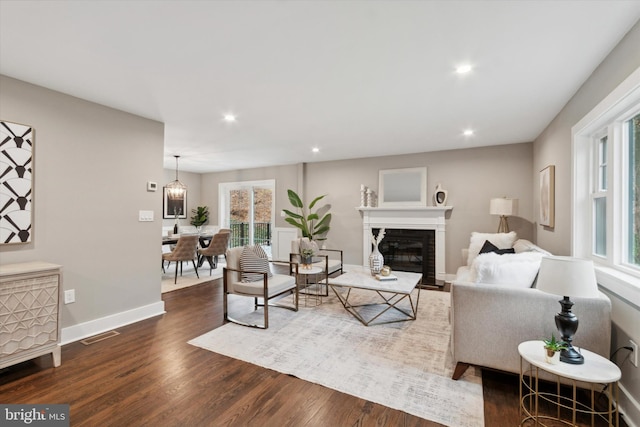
387	293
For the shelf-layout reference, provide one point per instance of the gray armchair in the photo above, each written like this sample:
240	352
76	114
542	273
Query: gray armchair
267	286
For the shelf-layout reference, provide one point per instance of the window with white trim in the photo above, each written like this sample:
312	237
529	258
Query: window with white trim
606	188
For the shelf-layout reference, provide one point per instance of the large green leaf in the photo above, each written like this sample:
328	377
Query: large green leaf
315	201
294	199
292	214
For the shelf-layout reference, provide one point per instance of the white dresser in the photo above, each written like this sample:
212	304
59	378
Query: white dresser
29	312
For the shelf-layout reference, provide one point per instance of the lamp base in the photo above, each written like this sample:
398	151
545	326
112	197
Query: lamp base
567	324
571	356
503	227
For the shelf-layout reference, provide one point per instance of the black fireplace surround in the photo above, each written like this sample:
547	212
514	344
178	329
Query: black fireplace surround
410	250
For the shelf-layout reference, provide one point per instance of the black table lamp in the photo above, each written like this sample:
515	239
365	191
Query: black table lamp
568	277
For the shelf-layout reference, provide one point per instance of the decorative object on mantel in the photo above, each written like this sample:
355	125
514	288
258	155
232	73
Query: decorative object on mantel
305	220
363	196
376	260
440	196
402	187
504	207
371	198
17	196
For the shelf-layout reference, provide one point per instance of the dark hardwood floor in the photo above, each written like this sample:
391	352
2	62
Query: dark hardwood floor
149	375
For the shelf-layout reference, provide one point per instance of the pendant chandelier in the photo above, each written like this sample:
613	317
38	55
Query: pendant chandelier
175	189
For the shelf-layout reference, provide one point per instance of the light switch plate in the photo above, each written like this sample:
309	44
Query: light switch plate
145	216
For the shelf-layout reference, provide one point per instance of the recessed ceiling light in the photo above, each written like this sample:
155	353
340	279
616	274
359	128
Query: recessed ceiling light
229	117
315	149
468	132
464	68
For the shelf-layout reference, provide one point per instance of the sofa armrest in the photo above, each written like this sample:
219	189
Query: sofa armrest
489	321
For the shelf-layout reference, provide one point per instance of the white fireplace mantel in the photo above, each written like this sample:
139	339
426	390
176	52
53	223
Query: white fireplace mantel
412	218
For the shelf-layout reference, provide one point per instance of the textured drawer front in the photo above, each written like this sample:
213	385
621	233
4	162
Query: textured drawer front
28	313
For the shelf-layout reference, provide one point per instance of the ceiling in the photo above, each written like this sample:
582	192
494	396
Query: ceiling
352	78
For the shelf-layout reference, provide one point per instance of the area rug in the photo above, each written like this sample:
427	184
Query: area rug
189	277
405	366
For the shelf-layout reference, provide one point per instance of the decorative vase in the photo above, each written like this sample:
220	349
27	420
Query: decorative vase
376	261
552	357
175	228
440	196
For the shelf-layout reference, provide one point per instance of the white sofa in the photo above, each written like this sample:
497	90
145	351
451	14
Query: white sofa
489	320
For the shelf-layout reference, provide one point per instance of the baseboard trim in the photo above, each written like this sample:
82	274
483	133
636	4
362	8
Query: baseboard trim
98	326
629	407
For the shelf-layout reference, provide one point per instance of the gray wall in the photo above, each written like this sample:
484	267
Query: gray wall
91	168
553	146
471	177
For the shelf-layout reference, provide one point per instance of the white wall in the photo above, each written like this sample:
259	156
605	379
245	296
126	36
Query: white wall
92	164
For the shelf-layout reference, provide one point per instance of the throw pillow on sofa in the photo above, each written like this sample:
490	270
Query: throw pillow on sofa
490	247
523	245
501	240
513	270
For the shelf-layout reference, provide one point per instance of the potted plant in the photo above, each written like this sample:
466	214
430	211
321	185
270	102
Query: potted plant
552	349
200	217
306	256
310	223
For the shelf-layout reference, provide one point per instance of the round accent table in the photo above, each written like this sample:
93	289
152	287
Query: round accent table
311	291
598	373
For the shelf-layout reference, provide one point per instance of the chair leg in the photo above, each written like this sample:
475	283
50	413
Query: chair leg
195	267
175	279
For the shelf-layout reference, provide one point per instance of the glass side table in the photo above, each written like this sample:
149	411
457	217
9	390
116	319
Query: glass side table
595	372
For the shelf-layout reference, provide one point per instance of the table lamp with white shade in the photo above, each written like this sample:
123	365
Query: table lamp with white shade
504	207
568	277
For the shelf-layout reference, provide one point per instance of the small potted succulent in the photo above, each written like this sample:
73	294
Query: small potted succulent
306	256
552	349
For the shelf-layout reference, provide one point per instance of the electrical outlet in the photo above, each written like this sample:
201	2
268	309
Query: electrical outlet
69	296
634	355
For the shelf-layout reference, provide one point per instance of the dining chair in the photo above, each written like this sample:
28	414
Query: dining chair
217	247
186	250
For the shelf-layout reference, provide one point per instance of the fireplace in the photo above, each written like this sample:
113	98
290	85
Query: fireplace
412	227
410	250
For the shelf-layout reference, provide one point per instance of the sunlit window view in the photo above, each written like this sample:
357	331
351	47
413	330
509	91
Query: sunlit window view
250	213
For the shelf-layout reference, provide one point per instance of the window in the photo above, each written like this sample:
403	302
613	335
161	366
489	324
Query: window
247	208
599	197
606	189
633	192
